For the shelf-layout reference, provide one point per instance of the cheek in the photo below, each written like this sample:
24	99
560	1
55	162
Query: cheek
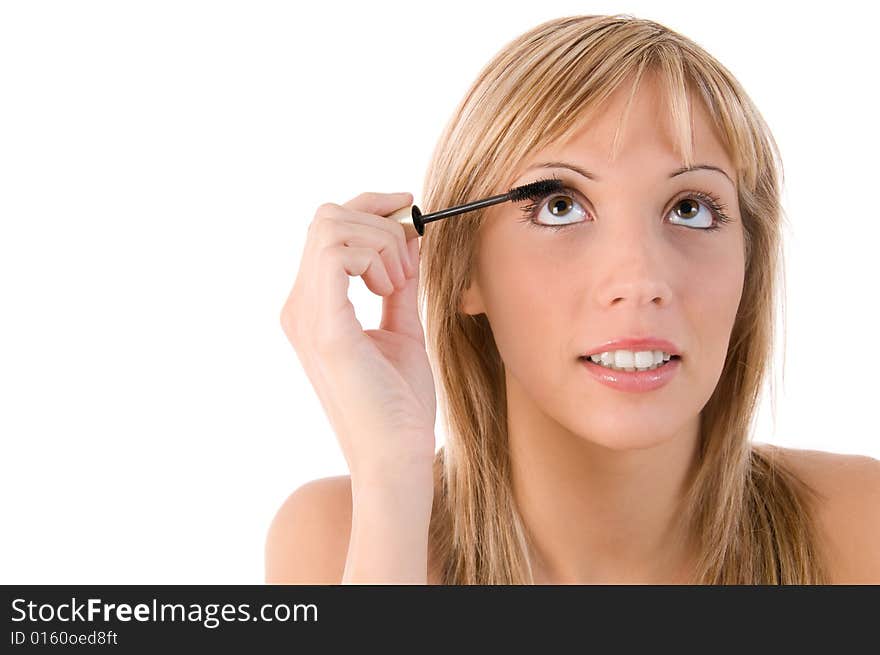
523	304
712	281
710	302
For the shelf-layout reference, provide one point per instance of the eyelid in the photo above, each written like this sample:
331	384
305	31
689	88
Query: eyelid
569	185
708	198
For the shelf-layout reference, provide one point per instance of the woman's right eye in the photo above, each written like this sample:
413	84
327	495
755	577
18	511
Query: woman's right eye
560	207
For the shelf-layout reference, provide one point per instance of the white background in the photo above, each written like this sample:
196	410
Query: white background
159	165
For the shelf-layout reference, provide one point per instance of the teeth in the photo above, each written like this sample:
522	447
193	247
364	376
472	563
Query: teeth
629	360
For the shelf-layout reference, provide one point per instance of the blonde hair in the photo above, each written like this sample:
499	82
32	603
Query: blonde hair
750	516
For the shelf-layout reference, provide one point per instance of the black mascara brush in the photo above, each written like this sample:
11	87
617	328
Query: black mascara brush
413	220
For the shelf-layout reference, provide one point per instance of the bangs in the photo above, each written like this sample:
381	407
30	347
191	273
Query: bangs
550	110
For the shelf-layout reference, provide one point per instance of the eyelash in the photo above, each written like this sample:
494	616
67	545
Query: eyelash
712	202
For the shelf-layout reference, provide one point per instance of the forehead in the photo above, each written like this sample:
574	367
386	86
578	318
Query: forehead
647	137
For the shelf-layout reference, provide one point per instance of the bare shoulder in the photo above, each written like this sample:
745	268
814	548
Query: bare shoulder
307	541
849	514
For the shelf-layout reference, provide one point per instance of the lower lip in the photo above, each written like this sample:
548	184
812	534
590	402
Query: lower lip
633	380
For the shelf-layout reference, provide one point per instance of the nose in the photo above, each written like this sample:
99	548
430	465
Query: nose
634	272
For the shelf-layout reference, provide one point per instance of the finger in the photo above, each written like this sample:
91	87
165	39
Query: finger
365	236
400	310
375	220
380	204
334	311
338	263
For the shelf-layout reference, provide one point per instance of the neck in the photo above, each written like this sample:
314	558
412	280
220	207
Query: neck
597	515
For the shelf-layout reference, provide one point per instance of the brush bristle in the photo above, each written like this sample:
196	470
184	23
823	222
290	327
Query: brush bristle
535	190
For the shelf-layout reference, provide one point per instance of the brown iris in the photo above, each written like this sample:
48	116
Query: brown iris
694	205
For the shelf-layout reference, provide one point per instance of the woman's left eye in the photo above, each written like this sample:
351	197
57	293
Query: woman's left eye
562	207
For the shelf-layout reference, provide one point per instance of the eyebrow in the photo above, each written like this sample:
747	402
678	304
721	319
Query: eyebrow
591	176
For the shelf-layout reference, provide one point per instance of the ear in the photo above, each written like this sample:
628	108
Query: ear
472	300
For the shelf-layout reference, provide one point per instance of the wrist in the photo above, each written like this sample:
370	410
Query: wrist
410	475
412	494
415	485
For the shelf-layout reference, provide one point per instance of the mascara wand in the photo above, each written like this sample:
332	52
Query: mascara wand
413	221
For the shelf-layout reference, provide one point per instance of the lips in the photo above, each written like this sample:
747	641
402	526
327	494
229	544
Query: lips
635	344
633	381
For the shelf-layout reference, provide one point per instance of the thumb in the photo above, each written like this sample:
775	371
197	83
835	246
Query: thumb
400	310
380	204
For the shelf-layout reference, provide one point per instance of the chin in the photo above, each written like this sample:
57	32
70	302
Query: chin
634	434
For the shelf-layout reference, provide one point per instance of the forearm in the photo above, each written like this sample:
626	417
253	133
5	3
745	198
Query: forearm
389	534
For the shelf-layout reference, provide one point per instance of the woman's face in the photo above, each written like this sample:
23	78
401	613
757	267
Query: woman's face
637	259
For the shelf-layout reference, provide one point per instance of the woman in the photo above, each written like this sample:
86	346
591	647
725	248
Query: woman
554	471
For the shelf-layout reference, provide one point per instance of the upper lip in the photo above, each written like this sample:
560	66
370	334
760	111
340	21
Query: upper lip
635	344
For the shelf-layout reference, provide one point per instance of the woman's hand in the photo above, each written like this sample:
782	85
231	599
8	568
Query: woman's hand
376	386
